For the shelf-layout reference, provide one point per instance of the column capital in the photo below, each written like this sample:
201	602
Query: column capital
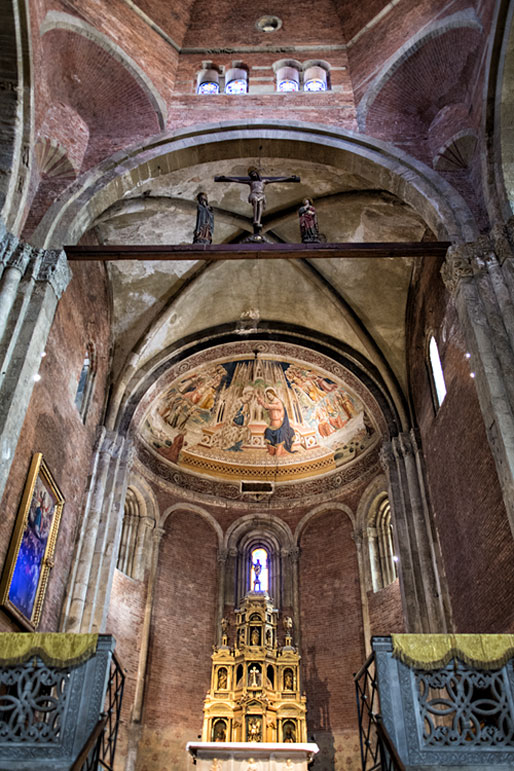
357	538
8	245
502	235
157	534
19	256
464	261
386	455
53	268
221	556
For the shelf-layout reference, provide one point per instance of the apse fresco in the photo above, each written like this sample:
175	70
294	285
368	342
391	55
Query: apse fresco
258	419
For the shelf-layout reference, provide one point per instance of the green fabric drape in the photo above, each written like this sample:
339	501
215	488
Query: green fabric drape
433	651
57	650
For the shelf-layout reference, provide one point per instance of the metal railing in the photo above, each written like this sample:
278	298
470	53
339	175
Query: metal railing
377	750
100	748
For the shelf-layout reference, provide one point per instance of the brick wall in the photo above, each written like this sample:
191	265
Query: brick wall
124	621
182	635
53	425
476	542
385	610
332	642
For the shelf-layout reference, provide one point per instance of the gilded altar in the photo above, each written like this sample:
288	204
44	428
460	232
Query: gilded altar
255	693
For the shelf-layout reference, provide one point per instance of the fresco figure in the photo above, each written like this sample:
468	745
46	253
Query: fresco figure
204	227
279	436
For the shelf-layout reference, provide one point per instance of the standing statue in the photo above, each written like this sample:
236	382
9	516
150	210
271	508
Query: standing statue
204	227
257	197
309	229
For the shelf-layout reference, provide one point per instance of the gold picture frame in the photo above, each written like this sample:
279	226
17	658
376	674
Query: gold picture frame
31	551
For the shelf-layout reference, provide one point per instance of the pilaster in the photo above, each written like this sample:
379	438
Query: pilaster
480	276
31	283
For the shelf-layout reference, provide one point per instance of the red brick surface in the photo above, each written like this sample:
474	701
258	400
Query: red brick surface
385	610
331	618
53	425
470	516
179	666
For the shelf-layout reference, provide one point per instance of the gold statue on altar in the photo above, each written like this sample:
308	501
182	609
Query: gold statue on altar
255	691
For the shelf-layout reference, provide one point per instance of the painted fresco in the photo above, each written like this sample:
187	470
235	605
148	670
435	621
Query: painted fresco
258	419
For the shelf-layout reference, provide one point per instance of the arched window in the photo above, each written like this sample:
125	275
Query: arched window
382	558
86	380
435	368
208	81
259	570
135	531
236	81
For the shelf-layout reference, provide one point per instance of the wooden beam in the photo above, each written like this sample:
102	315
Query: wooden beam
258	251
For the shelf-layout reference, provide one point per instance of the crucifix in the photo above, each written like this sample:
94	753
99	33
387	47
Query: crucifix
257	197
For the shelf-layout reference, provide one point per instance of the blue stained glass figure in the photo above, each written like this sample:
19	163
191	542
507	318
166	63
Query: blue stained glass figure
259	570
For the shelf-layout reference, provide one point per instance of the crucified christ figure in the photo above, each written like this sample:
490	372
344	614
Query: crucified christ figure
257	197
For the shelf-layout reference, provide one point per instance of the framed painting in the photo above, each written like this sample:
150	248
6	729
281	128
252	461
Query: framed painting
31	551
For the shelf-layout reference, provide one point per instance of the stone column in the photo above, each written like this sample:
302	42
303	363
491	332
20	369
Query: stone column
480	276
360	543
31	285
87	597
420	584
145	631
220	599
294	559
108	541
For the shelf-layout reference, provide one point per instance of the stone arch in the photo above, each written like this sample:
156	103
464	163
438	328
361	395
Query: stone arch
498	158
274	536
323	508
192	507
65	21
444	210
17	113
139	520
461	19
375	487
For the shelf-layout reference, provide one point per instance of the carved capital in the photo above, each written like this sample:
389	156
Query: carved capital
111	443
403	445
222	555
54	269
293	553
7	246
502	235
386	456
357	538
157	534
464	261
20	257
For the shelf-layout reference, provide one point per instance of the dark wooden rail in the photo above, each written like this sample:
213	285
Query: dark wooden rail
259	251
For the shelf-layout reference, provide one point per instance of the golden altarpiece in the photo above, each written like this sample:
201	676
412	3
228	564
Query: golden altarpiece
255	693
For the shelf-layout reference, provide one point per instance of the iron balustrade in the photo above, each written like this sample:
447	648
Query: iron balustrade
49	714
454	716
377	750
100	749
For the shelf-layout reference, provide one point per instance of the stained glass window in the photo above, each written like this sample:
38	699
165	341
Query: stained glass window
287	85
315	85
239	86
259	577
208	87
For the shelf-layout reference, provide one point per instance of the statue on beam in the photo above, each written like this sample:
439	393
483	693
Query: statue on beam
257	197
204	227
